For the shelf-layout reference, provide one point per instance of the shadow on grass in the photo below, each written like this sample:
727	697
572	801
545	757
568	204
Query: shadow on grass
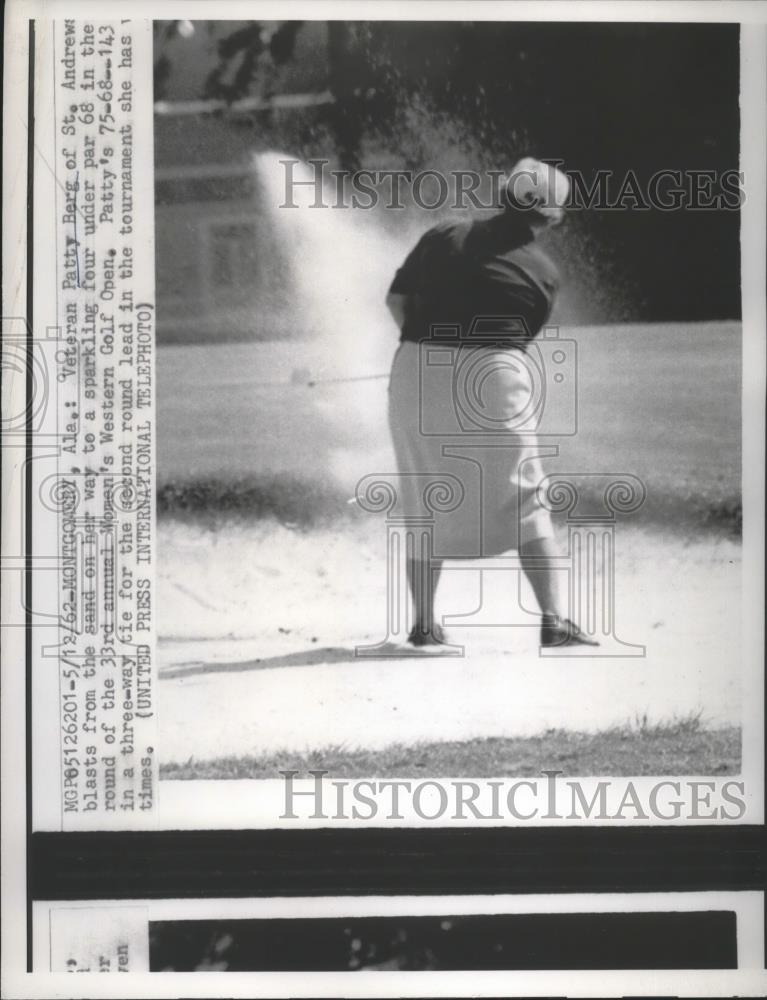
303	658
296	501
304	502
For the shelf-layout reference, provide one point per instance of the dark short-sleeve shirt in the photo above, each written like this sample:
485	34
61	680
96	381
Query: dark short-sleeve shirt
477	281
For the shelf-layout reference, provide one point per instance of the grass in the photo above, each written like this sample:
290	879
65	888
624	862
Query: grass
240	436
682	746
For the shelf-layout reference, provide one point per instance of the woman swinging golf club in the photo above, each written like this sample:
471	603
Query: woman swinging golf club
471	296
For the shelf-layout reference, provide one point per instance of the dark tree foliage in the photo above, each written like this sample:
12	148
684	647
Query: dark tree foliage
639	98
164	32
248	55
247	58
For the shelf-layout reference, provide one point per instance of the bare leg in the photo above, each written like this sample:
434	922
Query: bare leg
537	561
422	579
537	558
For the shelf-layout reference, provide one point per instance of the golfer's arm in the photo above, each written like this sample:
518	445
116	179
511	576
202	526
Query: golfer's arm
397	306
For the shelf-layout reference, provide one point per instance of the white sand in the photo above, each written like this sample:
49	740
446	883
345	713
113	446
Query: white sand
260	626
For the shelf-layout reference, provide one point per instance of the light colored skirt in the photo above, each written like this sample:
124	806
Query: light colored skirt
462	420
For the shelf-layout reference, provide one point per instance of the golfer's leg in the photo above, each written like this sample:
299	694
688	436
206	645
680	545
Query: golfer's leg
423	577
537	557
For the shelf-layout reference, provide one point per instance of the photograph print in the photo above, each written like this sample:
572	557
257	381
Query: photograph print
449	361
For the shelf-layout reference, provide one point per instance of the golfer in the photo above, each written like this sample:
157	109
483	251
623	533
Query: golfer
469	299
